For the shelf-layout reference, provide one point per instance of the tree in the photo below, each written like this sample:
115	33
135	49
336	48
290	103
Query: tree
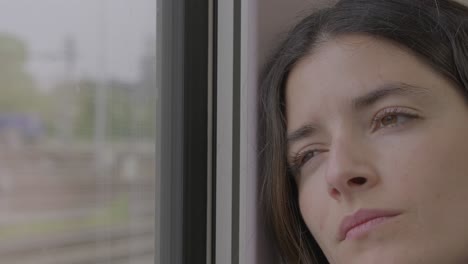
17	89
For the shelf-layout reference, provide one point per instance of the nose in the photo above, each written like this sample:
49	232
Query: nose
350	169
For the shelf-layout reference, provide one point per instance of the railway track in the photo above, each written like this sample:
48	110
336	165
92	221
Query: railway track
55	208
124	244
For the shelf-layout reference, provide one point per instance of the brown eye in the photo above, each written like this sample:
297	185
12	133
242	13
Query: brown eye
307	156
392	117
389	120
303	158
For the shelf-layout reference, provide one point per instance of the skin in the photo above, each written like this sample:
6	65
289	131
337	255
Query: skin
417	165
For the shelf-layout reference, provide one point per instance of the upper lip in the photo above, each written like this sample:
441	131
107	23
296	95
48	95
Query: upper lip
362	216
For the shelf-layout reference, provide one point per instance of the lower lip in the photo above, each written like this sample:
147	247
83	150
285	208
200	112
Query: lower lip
364	228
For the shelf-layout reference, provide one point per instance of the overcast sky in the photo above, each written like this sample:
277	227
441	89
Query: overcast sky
44	24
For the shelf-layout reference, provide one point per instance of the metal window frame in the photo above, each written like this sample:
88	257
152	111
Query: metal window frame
184	129
240	234
170	127
208	186
228	132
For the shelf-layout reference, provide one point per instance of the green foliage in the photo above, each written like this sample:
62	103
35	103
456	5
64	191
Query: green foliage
17	89
130	107
130	112
84	123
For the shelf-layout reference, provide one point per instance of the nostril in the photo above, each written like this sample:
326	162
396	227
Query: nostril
357	181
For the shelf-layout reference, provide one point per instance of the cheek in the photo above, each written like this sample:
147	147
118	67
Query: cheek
445	164
429	168
313	206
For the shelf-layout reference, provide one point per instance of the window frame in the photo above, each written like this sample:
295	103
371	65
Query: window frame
182	148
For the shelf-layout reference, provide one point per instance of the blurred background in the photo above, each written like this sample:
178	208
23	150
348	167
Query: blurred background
77	129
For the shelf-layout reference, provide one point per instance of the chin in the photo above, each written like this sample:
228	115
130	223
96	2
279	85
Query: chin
387	256
377	255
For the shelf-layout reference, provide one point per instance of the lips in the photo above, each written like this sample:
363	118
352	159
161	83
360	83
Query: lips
362	221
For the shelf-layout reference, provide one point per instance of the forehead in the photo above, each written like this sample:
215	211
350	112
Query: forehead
344	68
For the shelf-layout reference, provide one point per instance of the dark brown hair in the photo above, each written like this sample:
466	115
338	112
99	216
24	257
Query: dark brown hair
434	30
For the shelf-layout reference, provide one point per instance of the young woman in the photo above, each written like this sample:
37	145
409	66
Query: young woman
364	125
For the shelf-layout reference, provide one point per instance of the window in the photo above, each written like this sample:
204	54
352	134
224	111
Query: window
77	131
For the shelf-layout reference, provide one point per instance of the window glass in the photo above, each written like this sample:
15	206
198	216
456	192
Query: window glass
77	131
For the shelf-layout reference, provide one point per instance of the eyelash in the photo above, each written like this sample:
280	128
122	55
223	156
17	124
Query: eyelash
299	160
392	111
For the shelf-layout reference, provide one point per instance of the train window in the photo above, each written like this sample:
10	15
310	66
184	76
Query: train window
77	131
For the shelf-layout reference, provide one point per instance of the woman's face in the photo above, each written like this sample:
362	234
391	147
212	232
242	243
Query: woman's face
379	144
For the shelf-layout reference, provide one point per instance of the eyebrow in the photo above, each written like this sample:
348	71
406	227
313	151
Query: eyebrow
365	101
387	90
302	132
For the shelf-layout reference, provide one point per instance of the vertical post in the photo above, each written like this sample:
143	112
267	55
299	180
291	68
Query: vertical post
158	131
171	153
225	133
100	103
103	190
67	108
